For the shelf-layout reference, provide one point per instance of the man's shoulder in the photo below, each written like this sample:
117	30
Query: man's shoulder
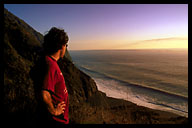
49	60
51	63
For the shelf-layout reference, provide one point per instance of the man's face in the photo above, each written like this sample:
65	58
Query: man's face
62	51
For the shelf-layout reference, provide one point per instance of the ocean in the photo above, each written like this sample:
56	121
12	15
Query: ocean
156	79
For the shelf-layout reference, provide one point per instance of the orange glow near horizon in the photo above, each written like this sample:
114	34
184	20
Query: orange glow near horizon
159	44
164	43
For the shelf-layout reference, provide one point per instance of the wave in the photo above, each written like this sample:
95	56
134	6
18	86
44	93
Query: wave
168	106
116	90
151	71
163	92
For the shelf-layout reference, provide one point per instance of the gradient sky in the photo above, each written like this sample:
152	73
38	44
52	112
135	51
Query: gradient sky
111	26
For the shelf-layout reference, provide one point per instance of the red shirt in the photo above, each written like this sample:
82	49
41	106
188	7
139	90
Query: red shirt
54	82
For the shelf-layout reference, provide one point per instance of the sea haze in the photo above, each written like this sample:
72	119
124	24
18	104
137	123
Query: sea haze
156	79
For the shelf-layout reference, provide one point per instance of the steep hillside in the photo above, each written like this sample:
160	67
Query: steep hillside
22	47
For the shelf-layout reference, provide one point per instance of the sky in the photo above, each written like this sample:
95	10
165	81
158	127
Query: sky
110	26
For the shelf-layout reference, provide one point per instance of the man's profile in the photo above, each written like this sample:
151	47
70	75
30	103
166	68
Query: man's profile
50	88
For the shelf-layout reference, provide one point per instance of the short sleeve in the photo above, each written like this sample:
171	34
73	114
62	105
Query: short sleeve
49	82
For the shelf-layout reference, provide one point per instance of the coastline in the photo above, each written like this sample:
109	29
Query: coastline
118	111
100	75
140	100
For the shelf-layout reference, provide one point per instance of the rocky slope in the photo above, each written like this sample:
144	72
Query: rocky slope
22	47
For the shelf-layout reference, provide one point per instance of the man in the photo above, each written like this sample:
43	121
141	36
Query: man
51	91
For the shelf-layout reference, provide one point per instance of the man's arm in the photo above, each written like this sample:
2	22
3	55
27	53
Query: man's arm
48	101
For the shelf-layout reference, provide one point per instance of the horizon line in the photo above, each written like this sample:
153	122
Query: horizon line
128	49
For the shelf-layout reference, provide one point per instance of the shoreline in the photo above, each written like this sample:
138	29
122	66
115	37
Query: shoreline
135	85
137	99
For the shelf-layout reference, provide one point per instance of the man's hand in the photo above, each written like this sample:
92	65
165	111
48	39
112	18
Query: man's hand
56	111
60	108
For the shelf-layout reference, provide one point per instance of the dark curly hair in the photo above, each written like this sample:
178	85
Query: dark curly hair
54	40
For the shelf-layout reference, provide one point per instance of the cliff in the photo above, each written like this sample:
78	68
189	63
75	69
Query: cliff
22	47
